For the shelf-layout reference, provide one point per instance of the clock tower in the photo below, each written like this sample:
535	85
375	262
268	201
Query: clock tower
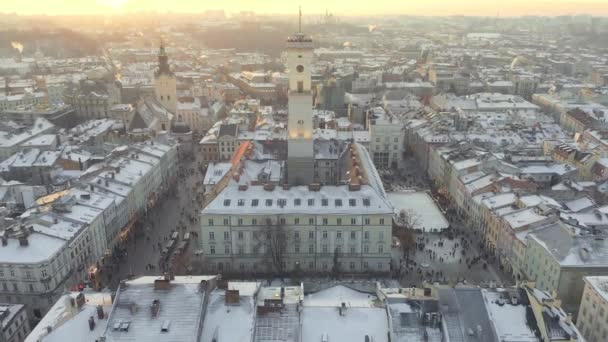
300	155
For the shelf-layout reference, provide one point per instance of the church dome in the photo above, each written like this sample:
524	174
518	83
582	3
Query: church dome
180	127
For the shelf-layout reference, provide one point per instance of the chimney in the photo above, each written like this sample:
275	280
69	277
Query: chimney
232	297
92	187
4	241
91	323
162	284
80	299
22	241
100	314
282	293
154	308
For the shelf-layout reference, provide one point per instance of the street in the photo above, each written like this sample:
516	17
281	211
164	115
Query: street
173	213
441	257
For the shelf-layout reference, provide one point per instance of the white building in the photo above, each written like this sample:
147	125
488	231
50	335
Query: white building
386	133
40	259
27	98
592	320
198	118
14	322
324	228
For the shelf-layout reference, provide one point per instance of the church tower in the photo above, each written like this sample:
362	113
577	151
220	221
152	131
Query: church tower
165	85
300	156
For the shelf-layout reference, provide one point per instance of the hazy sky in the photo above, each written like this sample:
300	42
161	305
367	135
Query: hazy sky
339	7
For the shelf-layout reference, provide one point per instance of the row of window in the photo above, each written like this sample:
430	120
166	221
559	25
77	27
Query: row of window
386	139
281	202
296	235
16	288
297	249
296	220
325	266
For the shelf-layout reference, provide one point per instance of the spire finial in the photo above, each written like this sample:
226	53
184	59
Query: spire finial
300	21
162	46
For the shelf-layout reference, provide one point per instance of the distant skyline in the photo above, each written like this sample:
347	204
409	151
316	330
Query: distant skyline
341	7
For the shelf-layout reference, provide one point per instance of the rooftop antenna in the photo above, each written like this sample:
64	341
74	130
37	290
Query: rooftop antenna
300	21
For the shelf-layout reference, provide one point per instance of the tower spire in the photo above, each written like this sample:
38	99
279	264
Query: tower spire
300	21
162	47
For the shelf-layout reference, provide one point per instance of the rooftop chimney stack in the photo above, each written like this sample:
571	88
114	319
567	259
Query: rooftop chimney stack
91	323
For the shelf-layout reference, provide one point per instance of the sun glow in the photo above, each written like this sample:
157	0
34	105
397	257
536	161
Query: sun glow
115	4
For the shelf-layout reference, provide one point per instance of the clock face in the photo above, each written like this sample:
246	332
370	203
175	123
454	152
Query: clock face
300	68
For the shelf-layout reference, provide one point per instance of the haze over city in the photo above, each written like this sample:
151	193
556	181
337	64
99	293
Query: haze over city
321	171
381	7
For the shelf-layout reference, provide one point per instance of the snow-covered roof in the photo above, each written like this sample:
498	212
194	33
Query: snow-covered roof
571	250
336	295
580	204
70	323
40	248
329	199
427	216
234	322
181	307
523	218
354	325
321	316
599	284
509	320
215	172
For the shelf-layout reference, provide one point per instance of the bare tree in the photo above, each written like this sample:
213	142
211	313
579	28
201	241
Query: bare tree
336	262
406	222
408	219
273	240
181	264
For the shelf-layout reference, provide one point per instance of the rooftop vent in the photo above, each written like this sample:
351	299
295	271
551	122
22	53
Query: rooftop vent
268	186
314	187
165	326
23	241
154	308
161	284
354	186
232	297
100	313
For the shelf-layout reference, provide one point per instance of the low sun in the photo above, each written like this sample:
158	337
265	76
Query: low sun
115	4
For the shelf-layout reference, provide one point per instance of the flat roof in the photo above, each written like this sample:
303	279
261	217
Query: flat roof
40	248
70	323
181	306
509	320
234	322
428	215
599	285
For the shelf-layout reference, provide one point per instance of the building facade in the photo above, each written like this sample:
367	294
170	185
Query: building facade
592	319
165	83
